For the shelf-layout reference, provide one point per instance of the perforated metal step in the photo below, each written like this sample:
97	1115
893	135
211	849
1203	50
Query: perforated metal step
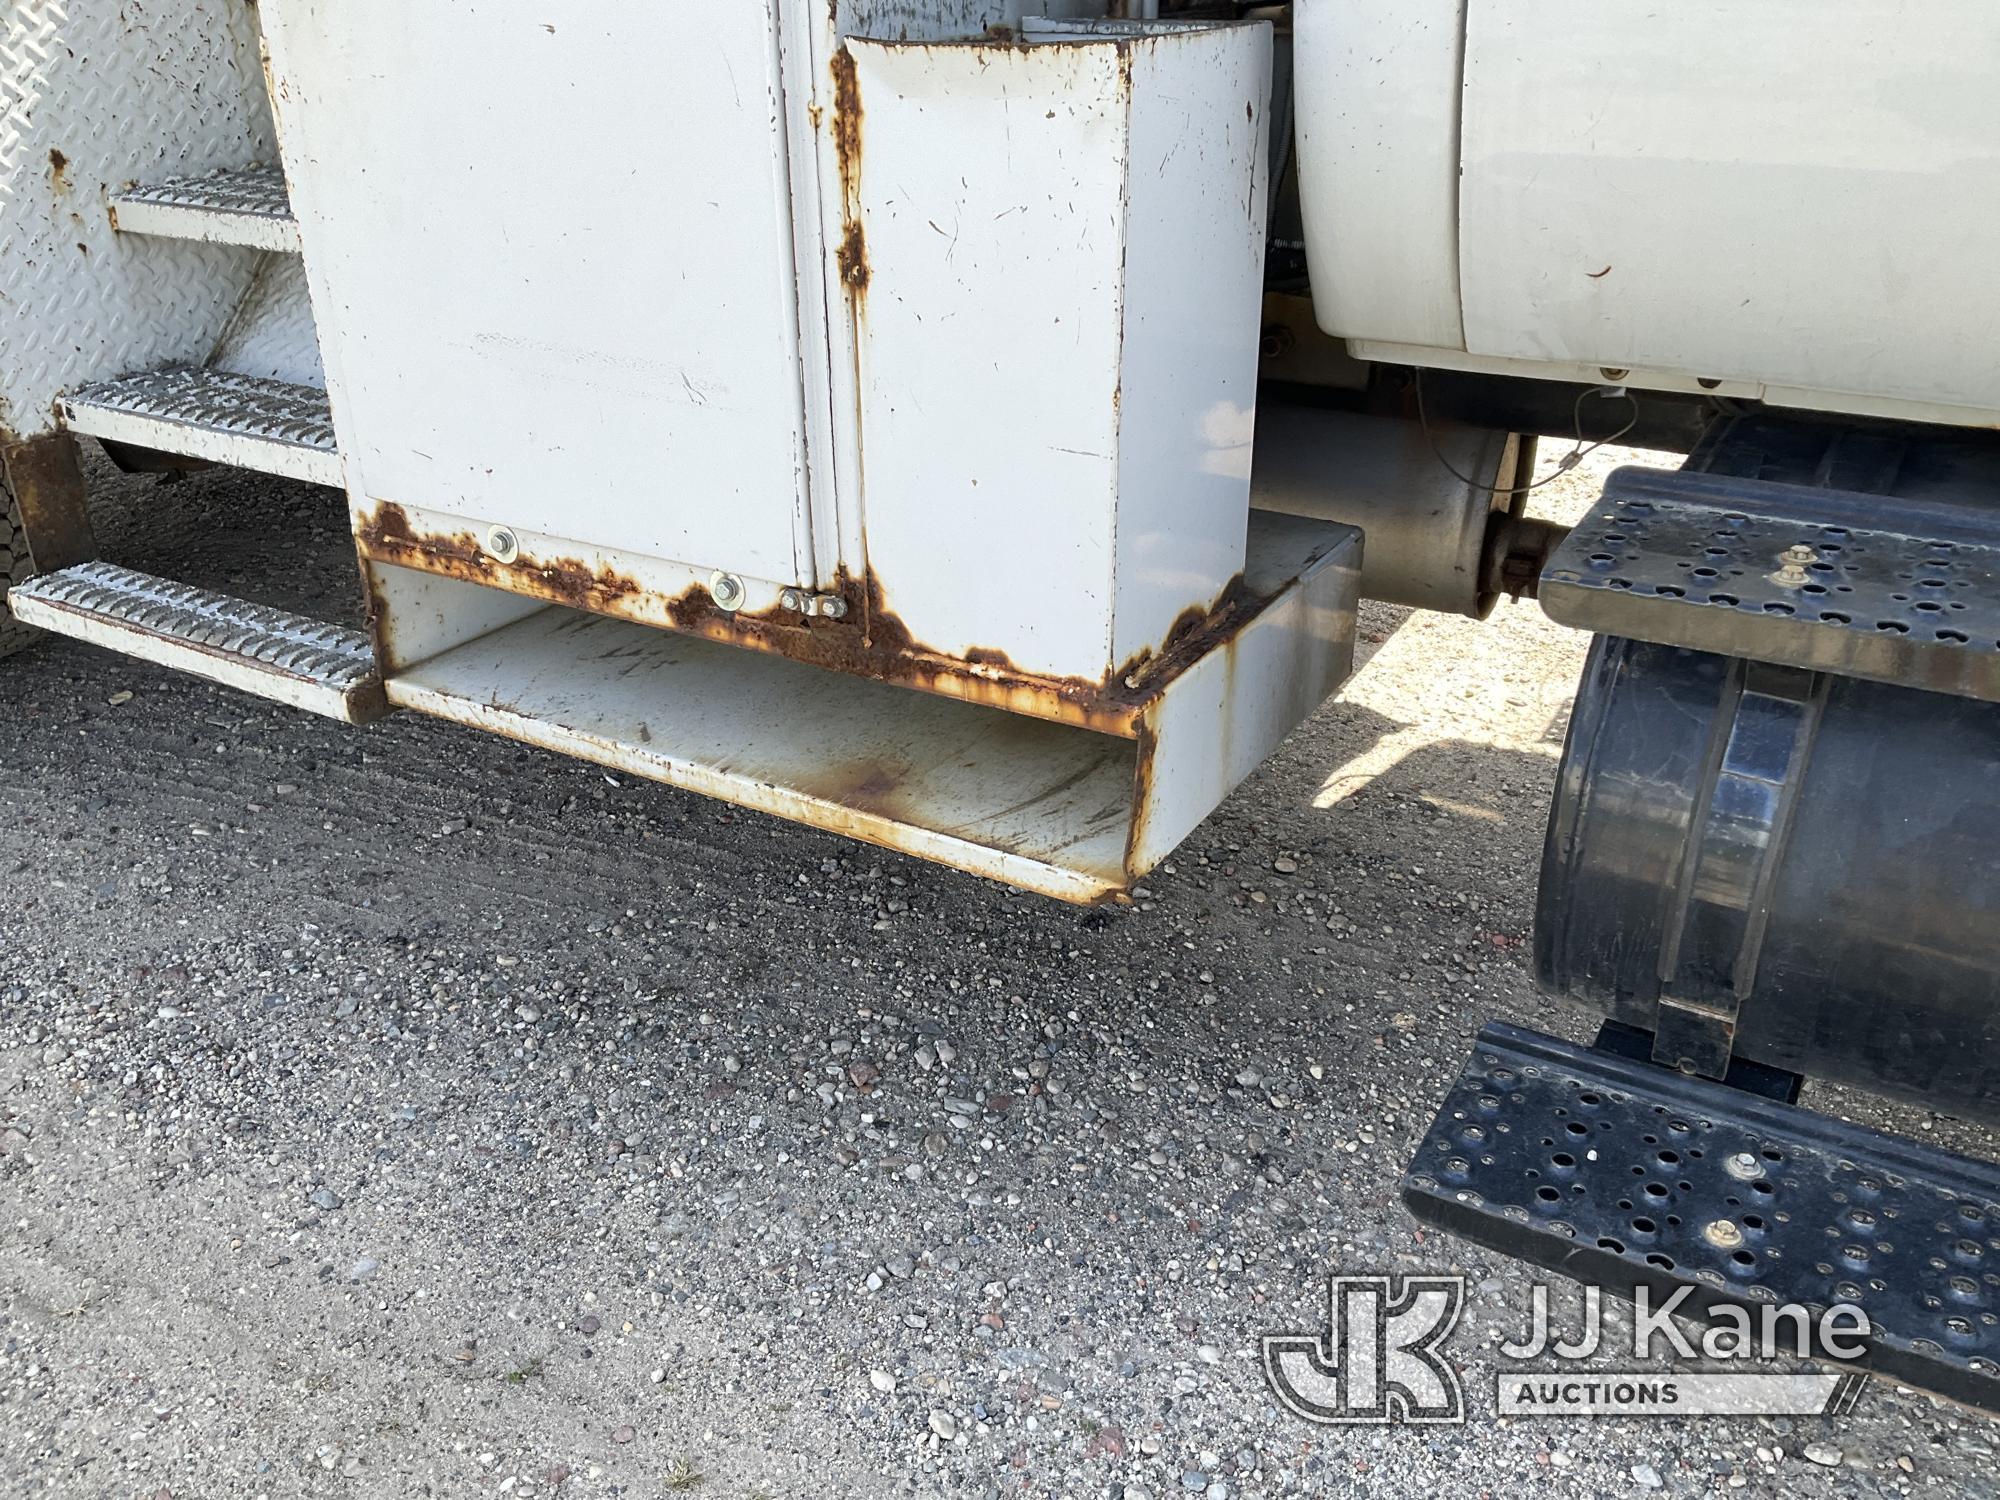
308	664
1898	589
253	423
247	207
1622	1174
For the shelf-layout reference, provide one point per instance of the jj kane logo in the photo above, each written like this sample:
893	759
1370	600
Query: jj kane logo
1381	1358
1378	1361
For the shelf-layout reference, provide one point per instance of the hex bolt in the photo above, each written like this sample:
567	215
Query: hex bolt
1792	563
726	589
1724	1234
832	606
1743	1167
792	599
501	544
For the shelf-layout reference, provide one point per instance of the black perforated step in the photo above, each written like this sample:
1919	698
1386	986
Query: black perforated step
1622	1174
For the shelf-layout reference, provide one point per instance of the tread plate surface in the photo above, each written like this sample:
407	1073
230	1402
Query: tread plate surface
246	207
309	663
245	420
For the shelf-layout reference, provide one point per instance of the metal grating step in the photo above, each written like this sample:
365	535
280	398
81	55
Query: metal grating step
247	207
308	664
1622	1174
1902	590
244	420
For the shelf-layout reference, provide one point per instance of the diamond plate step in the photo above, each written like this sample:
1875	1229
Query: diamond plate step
247	207
245	420
306	663
1622	1174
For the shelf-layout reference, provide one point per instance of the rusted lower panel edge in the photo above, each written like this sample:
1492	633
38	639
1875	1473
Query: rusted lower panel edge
1055	809
870	640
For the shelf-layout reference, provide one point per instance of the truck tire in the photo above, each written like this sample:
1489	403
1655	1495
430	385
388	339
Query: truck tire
14	566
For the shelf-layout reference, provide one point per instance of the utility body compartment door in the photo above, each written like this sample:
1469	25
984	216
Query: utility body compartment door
552	264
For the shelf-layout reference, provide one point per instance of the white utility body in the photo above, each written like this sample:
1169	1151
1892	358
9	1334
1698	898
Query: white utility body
845	411
851	409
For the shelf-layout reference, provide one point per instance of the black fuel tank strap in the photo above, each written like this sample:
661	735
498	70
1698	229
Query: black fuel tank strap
1762	741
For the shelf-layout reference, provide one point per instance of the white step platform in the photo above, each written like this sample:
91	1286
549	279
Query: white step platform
246	207
308	664
1069	812
249	421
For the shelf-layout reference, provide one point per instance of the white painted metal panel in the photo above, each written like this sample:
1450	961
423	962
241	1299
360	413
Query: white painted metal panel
1219	720
1197	170
1069	812
992	189
1789	192
812	37
421	615
1377	109
551	259
272	335
1055	457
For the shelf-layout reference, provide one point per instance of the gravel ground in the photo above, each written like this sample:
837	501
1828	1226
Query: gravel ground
403	1112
